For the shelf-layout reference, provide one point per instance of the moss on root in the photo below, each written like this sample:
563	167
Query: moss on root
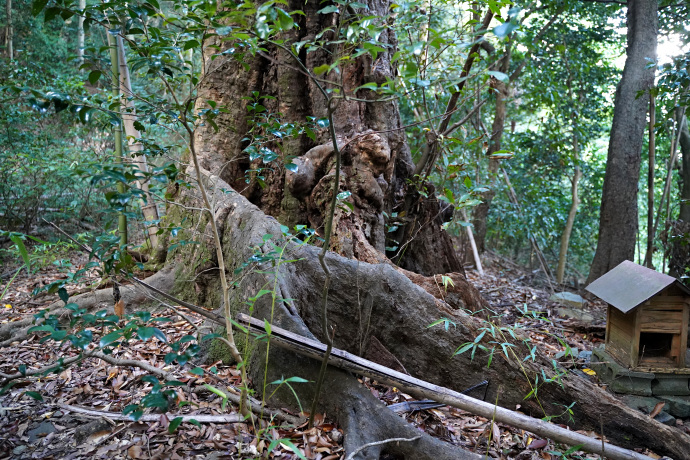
220	351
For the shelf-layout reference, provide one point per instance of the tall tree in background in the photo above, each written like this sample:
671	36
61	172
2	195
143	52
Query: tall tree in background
8	30
618	219
685	176
80	33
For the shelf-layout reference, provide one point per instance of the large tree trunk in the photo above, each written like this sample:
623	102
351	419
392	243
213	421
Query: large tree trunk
379	305
376	169
618	220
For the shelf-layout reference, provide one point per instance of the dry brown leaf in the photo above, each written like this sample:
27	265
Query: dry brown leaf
497	434
538	444
657	409
135	452
120	308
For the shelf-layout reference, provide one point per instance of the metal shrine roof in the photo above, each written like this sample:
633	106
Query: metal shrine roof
629	285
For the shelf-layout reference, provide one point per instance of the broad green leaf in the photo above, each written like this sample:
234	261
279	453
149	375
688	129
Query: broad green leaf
322	69
190	44
43	327
22	250
37	396
94	75
328	10
38	6
499	75
503	30
371	85
62	293
145	332
174	423
110	338
284	20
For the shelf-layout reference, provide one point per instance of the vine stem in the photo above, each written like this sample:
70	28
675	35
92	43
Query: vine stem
324	266
230	338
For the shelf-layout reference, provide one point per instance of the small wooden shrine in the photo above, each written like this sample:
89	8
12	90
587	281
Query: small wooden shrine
647	317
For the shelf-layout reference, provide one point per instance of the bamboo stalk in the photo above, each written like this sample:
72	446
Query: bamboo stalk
114	66
129	115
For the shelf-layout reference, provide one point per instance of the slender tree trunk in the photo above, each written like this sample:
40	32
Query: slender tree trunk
115	83
129	116
80	34
567	231
9	32
685	171
503	92
678	244
650	184
618	220
481	211
575	203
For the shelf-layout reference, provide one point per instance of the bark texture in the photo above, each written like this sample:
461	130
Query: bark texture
685	171
379	305
377	163
618	219
678	233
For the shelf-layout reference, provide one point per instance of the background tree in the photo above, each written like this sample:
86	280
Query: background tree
619	217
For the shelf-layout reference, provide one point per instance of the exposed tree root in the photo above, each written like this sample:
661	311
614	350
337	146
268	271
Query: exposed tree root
379	301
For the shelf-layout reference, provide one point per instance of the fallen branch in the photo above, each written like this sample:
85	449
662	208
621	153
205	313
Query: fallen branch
90	354
133	363
423	389
41	370
229	418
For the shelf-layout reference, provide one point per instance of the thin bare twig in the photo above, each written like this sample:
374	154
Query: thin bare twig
378	443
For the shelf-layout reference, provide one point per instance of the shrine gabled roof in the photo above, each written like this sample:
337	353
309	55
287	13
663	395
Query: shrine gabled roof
628	285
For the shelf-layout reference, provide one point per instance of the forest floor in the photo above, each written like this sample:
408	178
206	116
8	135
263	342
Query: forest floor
43	426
